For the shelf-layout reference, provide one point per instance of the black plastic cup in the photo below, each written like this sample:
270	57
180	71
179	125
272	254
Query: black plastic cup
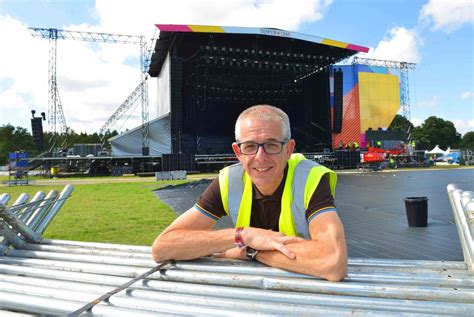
417	211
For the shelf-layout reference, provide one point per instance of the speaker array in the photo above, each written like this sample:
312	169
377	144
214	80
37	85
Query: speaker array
37	130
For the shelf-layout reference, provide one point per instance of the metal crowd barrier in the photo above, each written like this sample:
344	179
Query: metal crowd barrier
26	221
462	203
58	277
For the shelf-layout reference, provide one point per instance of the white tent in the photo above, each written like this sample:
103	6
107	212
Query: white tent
130	143
436	150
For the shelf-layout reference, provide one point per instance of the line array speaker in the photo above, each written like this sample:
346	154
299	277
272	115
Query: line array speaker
37	131
178	161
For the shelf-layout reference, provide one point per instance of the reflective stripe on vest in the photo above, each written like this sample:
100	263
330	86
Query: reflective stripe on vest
236	189
236	194
298	189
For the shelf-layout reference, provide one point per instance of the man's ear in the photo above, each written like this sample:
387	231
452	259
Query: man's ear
236	150
290	146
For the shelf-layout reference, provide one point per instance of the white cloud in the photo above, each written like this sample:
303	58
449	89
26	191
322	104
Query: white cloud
88	85
429	103
463	126
416	122
94	79
24	66
448	15
137	17
400	44
467	95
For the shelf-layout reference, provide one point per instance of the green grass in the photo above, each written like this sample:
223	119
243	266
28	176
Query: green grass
75	177
126	213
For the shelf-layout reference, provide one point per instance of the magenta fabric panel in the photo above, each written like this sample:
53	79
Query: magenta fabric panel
357	48
173	28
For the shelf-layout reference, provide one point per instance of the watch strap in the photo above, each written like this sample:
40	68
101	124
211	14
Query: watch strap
238	241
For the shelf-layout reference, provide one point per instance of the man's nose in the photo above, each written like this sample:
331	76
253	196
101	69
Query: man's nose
261	154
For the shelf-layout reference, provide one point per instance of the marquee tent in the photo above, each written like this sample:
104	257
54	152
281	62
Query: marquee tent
436	150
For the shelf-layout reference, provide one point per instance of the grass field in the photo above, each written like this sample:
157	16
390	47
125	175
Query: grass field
125	212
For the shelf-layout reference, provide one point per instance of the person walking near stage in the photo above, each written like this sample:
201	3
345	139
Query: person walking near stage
281	204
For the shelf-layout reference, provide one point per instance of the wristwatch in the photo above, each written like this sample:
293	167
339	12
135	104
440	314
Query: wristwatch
251	253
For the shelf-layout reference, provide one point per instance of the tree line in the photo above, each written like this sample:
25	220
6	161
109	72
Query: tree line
434	131
20	139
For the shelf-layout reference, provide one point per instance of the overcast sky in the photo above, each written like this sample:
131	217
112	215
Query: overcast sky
94	80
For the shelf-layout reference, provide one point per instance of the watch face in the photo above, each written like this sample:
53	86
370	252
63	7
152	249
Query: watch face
251	253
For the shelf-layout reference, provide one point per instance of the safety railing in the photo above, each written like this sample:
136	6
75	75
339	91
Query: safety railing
462	203
26	221
57	277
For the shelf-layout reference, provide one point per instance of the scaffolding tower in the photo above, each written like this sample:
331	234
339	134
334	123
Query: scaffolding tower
56	119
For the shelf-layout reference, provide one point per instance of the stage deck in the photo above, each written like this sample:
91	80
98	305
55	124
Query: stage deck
372	209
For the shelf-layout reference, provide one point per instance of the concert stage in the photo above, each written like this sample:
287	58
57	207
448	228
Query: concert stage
208	75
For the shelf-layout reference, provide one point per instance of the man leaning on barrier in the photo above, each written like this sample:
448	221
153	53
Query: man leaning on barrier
282	206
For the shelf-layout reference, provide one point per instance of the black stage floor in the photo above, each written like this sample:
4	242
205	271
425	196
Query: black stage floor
373	212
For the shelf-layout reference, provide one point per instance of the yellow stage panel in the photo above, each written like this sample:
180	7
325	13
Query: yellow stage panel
379	100
206	29
334	43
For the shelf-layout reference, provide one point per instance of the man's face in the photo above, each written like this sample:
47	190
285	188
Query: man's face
265	170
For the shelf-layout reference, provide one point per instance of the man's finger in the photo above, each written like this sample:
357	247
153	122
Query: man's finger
291	239
281	247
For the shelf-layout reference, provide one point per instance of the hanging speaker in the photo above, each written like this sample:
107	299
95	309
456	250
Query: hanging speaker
37	131
338	101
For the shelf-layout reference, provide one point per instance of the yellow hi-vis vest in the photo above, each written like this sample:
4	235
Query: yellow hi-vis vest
301	181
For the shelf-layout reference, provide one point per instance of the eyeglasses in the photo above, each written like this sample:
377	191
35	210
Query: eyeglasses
271	147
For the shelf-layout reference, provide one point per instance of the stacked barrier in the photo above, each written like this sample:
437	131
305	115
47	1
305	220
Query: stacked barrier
25	221
59	277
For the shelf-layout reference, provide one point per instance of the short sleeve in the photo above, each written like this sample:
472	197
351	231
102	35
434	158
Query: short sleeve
210	202
322	199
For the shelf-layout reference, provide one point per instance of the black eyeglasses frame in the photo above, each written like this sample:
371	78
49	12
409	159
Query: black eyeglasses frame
262	145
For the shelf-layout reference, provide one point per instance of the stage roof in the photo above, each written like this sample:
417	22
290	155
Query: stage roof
129	143
288	41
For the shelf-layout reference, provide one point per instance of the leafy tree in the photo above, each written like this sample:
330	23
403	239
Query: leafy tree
14	139
400	123
80	138
436	131
109	135
467	141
